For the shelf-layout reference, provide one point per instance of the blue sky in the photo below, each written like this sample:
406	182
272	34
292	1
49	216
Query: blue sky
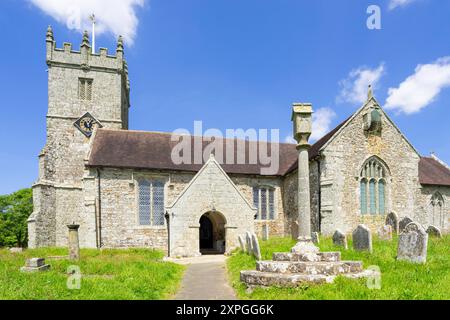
236	64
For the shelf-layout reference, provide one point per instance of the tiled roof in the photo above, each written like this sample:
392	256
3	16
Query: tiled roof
152	150
432	172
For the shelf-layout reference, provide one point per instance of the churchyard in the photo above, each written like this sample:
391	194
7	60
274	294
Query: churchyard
400	280
105	275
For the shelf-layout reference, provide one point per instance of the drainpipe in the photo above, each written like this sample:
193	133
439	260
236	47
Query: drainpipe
319	196
167	216
99	211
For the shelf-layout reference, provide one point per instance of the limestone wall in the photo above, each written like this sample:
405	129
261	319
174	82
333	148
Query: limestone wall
343	160
424	213
58	194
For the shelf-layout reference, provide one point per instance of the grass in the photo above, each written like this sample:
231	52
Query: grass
399	280
134	274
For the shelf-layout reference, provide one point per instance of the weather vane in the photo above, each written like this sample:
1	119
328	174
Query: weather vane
92	18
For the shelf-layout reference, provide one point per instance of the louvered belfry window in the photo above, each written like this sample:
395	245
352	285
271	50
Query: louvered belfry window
151	203
264	201
85	89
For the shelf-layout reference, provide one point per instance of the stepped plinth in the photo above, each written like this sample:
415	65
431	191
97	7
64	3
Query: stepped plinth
291	269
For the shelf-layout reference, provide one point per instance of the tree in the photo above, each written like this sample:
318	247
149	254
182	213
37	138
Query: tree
14	212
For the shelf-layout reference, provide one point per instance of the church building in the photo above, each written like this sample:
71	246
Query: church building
124	189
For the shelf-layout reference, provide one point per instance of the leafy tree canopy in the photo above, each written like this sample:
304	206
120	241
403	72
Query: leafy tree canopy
15	209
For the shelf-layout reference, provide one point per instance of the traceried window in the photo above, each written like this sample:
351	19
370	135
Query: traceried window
85	89
151	202
264	201
437	210
372	187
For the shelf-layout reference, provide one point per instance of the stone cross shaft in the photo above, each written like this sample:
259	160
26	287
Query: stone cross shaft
302	119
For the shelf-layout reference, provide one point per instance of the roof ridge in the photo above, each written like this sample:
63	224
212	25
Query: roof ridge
191	135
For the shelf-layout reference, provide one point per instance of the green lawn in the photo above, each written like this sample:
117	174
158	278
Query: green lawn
400	280
106	274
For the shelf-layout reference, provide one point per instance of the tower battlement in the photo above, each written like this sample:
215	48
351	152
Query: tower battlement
84	58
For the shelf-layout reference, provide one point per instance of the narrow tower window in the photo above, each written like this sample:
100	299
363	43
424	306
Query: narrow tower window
85	89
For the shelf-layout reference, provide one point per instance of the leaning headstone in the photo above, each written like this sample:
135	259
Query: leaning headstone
413	244
241	243
362	238
392	220
434	232
385	232
255	247
265	232
248	242
74	244
35	265
16	250
315	237
339	239
403	223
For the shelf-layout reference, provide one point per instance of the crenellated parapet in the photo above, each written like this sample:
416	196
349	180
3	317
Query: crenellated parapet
84	58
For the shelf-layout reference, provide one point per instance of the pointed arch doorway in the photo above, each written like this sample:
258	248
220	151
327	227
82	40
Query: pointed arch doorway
212	235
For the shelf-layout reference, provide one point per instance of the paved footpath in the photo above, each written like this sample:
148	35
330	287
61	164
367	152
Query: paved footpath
205	279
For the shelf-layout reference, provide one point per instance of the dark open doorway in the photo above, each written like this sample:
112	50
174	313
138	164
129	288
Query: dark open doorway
206	233
212	233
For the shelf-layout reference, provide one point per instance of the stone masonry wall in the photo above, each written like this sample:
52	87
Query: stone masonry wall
59	196
343	160
423	212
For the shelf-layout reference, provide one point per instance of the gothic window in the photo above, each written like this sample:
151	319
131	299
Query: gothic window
264	201
437	210
372	195
85	89
151	203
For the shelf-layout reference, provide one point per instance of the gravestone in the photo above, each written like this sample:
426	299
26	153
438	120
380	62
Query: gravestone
248	242
392	220
241	243
413	244
265	232
339	239
315	237
434	232
74	244
255	247
385	232
362	238
403	223
35	265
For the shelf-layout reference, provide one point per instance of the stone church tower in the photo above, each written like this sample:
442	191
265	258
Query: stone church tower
85	90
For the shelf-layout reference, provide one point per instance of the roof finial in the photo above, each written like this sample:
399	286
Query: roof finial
85	39
120	44
370	92
49	36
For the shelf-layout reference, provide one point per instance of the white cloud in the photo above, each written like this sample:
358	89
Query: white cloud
321	125
321	122
290	139
399	3
421	88
114	16
354	87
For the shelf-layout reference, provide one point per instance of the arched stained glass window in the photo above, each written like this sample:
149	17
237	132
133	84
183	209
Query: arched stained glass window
373	185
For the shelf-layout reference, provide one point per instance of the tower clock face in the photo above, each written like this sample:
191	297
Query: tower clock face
86	124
